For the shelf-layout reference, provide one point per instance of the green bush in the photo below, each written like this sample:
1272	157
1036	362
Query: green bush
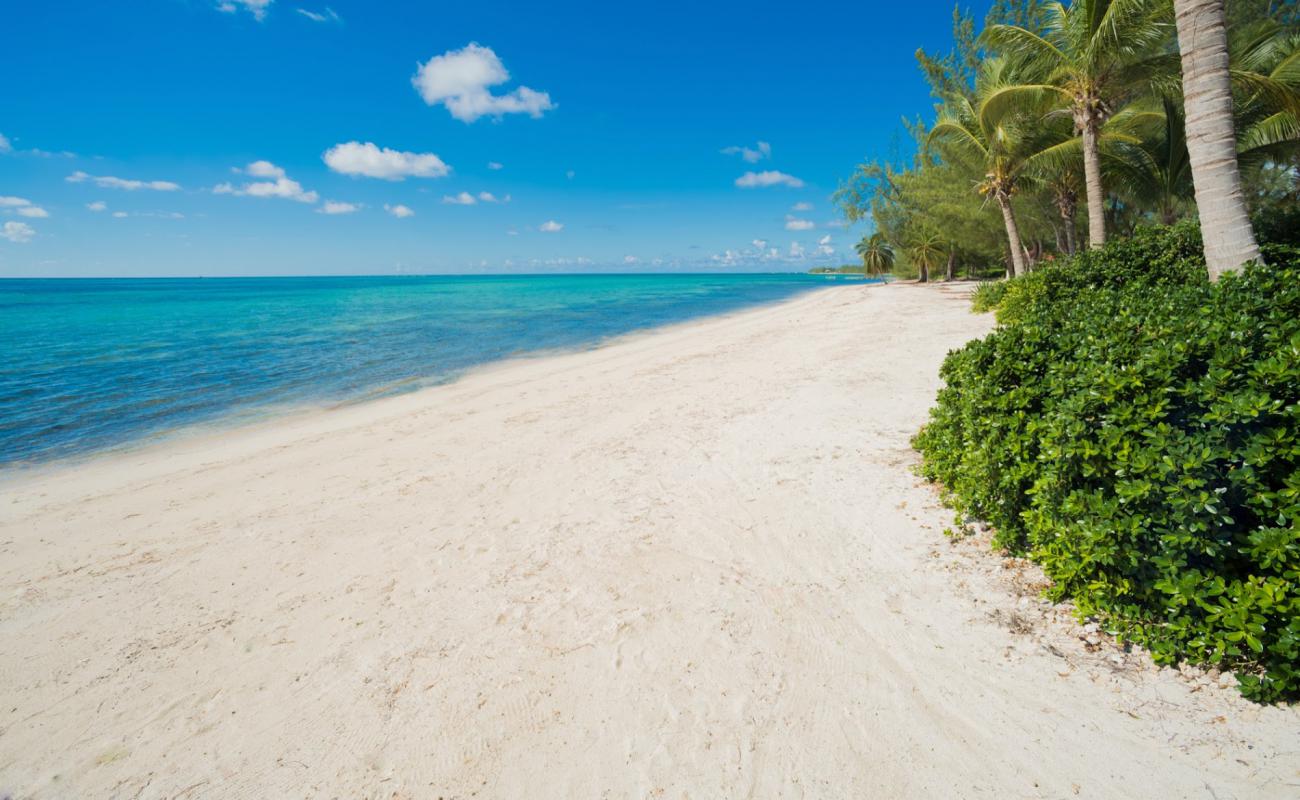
1153	256
988	295
1138	434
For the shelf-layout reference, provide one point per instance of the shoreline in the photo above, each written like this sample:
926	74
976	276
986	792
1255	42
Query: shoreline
690	562
210	433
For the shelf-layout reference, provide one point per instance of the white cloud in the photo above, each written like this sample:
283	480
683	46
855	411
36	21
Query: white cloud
462	79
796	251
462	199
371	161
824	247
109	182
551	226
495	165
328	15
256	7
759	244
467	199
23	207
630	260
5	146
836	223
825	239
796	224
17	232
399	211
337	207
279	184
264	169
802	207
97	206
752	180
120	214
752	156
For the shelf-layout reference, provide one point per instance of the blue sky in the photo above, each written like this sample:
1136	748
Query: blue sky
209	137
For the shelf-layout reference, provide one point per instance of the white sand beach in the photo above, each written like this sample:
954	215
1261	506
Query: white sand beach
693	563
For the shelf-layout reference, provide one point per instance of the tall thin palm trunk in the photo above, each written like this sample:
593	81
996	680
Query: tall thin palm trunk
1092	180
1211	141
1013	236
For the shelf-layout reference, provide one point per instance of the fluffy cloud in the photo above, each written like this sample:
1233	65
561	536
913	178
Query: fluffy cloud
796	224
824	247
97	206
802	207
796	251
5	146
462	79
551	226
759	244
467	199
494	165
759	152
23	207
336	207
277	184
109	182
462	199
754	180
399	211
328	15
631	260
371	161
256	7
17	232
120	215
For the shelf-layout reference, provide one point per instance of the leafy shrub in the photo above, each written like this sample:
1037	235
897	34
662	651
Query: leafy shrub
1139	436
1153	256
987	296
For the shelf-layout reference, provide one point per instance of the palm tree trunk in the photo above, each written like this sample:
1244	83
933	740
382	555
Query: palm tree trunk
952	266
1013	236
1092	179
1211	141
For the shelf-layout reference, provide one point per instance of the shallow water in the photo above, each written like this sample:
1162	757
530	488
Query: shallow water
95	364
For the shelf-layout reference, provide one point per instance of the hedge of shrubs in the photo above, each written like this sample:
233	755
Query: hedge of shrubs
1136	430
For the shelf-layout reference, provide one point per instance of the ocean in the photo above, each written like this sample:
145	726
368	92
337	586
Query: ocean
96	364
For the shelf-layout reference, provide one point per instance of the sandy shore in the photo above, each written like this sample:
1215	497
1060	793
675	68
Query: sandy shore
689	564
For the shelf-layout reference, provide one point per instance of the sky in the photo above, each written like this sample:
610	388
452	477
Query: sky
274	137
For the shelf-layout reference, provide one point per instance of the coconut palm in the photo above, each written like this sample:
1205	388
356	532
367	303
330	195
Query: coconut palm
925	252
877	254
1093	57
1265	69
1211	136
1005	142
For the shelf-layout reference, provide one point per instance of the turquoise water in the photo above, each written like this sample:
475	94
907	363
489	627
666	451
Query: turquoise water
96	364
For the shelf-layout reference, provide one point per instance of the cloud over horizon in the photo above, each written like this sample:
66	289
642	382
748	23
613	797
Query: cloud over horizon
755	180
277	184
110	182
372	161
462	81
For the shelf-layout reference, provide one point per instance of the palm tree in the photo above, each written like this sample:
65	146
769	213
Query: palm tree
877	254
1003	141
1093	57
1211	136
925	252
